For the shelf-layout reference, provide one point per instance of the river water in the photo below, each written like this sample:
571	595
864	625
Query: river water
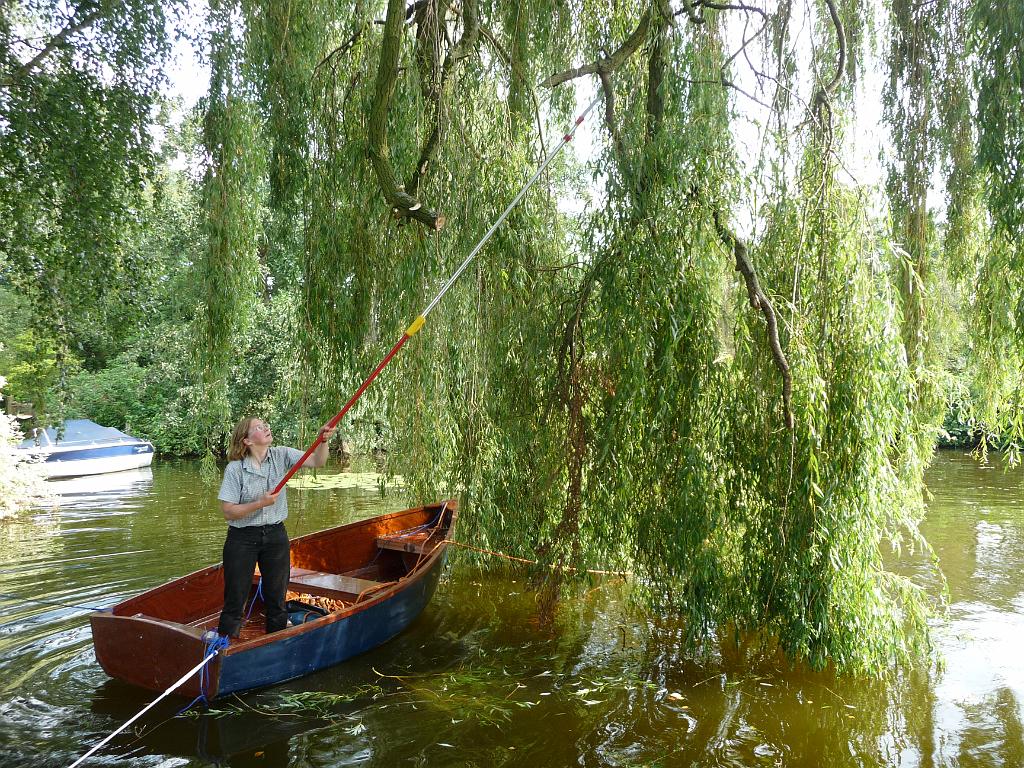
478	680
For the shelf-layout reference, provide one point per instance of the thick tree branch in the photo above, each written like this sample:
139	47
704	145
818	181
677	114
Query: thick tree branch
656	76
73	27
345	47
609	115
759	301
730	7
691	13
610	63
841	43
403	204
462	49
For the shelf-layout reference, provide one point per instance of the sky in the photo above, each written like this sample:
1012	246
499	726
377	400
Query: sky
188	76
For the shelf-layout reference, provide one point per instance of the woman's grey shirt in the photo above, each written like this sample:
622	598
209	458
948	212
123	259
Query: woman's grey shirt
245	482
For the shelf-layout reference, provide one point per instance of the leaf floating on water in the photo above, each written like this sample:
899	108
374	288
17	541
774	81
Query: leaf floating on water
675	696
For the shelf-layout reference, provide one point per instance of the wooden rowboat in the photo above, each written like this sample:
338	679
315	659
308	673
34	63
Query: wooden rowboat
375	576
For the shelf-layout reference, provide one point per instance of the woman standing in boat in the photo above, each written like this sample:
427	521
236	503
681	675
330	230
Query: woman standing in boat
255	516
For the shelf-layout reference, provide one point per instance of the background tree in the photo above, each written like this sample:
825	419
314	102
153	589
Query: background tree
77	86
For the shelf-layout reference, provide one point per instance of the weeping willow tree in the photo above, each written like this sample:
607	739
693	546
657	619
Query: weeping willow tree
229	272
701	350
998	301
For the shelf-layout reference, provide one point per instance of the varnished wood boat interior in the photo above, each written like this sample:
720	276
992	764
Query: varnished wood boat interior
336	569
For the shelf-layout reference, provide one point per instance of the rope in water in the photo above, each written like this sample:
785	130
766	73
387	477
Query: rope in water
212	650
515	559
417	324
54	603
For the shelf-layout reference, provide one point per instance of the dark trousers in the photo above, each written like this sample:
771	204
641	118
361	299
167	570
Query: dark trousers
264	544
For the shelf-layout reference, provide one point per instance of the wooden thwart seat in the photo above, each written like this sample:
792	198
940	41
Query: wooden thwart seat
417	542
303	579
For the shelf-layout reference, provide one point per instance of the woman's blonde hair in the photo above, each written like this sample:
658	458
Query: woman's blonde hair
237	449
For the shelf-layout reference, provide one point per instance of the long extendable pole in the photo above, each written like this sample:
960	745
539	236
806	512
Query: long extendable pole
416	324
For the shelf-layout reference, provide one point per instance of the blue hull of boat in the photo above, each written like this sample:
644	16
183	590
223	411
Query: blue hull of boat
329	644
104	452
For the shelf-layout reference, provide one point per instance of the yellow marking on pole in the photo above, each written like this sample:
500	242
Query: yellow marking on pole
416	325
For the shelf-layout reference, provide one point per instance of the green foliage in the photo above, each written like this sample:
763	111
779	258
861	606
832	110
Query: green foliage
999	306
229	273
27	357
32	368
998	42
77	84
156	401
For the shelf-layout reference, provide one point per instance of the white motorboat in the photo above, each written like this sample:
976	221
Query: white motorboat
86	448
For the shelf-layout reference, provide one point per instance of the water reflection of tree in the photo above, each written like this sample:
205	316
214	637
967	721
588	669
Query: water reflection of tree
973	503
748	706
915	702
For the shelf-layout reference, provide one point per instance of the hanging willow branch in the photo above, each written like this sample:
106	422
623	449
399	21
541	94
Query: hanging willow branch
759	301
462	49
402	203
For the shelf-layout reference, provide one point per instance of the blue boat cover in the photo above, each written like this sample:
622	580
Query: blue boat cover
78	431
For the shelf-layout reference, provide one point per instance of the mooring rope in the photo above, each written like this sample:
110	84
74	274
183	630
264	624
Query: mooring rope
214	643
515	559
54	603
213	650
417	324
435	523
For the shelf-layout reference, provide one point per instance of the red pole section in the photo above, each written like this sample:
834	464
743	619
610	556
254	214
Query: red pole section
340	414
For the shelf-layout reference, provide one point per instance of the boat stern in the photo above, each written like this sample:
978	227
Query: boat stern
153	654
